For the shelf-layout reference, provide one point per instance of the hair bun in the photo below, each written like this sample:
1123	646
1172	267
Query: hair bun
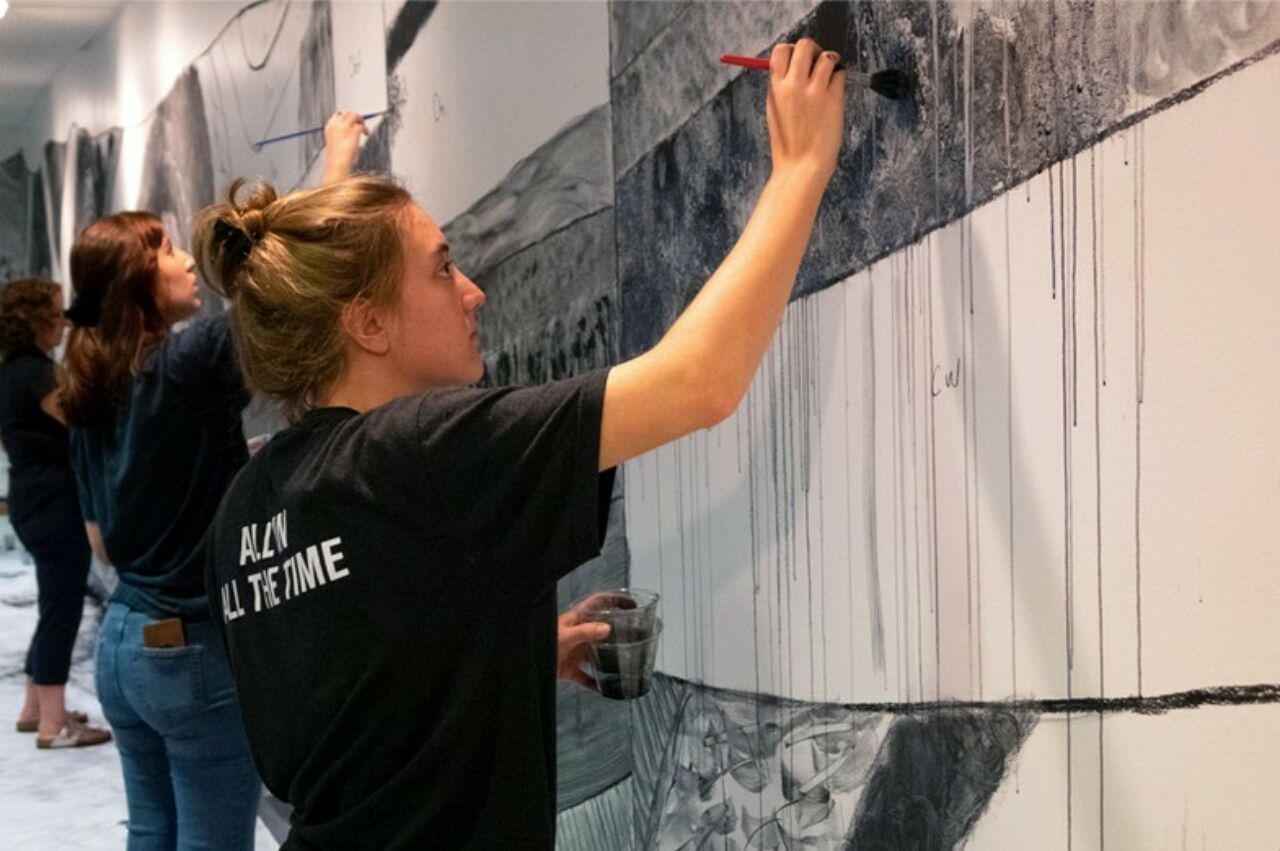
235	243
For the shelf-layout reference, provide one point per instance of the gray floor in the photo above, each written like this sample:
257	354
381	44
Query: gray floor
71	799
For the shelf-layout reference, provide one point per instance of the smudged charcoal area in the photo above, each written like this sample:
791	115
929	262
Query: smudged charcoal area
566	179
15	225
177	174
375	154
997	99
55	157
593	741
96	161
934	777
315	81
550	309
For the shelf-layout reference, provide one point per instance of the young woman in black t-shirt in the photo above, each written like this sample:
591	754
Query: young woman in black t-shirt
384	570
43	506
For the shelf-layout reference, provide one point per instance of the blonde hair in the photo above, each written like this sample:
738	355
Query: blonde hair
289	264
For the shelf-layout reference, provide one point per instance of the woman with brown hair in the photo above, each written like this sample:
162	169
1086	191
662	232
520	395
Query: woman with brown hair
384	570
156	439
43	506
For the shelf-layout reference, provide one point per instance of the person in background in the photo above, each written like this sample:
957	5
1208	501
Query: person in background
156	437
384	570
43	506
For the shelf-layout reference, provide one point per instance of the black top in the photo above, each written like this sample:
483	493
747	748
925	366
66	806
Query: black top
36	443
386	585
152	479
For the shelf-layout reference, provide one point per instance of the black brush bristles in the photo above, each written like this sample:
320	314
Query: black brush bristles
893	84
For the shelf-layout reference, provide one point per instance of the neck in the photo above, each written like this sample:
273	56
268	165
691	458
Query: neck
365	384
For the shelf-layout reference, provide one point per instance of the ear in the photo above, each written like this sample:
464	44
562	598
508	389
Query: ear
366	327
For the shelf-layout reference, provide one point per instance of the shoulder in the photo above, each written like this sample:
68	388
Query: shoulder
496	409
201	338
26	370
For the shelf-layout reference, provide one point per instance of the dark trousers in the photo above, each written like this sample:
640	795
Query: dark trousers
52	530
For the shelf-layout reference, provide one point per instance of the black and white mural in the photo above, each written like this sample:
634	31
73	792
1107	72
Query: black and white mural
984	555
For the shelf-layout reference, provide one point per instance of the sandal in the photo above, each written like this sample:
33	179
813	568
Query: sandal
74	736
33	726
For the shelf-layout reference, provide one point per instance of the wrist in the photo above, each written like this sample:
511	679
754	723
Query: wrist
806	175
807	181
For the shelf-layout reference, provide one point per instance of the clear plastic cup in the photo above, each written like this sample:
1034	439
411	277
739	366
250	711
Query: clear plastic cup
630	612
624	670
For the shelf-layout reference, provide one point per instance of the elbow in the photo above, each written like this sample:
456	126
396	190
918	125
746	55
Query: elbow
718	405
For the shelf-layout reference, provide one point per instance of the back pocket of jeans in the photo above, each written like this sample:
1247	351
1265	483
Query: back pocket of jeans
170	681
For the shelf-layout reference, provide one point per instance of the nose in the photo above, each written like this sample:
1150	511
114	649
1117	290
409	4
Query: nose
473	297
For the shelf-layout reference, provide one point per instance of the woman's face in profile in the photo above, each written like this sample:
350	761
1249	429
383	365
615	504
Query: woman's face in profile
434	342
177	295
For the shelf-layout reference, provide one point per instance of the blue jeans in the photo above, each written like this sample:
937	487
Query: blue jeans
188	775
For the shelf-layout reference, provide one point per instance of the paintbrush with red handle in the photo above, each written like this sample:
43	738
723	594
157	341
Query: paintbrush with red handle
890	83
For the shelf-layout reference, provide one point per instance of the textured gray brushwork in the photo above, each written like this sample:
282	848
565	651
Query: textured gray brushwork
600	824
550	308
680	70
96	160
635	23
593	749
315	81
567	178
1057	75
177	171
723	769
15	225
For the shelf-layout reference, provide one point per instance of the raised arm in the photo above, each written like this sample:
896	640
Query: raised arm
342	134
701	369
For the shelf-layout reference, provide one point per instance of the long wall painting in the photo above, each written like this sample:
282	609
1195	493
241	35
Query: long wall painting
984	554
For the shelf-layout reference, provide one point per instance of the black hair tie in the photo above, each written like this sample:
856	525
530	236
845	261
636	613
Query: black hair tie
86	311
235	243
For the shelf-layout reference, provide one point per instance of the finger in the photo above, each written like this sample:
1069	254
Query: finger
802	60
583	679
583	634
825	68
780	60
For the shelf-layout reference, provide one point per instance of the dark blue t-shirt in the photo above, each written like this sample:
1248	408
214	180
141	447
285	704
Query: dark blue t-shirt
39	471
153	478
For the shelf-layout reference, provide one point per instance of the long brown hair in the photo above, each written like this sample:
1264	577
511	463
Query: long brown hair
113	269
26	305
289	264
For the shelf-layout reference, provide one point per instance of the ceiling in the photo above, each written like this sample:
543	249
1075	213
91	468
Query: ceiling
37	38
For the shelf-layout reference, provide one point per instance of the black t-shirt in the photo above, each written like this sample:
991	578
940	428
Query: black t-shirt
36	443
152	477
386	586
